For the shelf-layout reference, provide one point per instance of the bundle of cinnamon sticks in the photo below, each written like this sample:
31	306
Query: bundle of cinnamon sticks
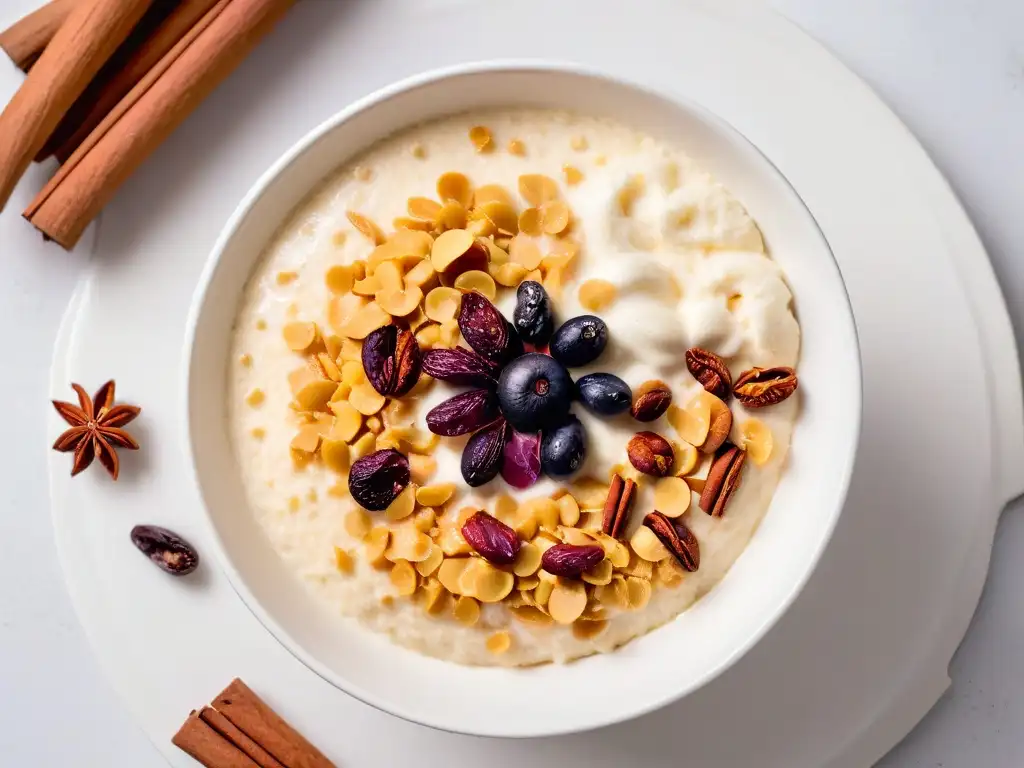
107	81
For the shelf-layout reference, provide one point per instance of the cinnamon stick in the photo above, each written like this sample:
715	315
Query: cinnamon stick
166	22
24	40
208	747
168	93
250	714
85	41
224	727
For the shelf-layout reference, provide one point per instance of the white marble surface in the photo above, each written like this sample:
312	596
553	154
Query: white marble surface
952	69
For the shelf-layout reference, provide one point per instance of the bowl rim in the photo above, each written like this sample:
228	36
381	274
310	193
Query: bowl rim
306	142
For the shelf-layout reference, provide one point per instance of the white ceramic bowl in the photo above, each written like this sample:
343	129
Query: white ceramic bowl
650	671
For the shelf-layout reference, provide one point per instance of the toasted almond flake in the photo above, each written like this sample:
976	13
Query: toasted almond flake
505	508
357	523
531	222
366	226
555	217
364	446
401	303
693	421
686	458
638	567
449	247
537	189
375	425
529	614
597	294
502	214
435	495
553	282
407	543
696	484
424	519
455	186
600	574
329	367
542	594
573	175
647	545
406	223
757	440
490	585
568	510
584	630
403	576
527	560
347	421
545	511
451	216
421	467
418	151
403	505
492	193
475	280
466	611
638	593
341	309
527	583
431	562
481	226
299	336
423	208
307	439
629	193
668	572
284	278
480	135
365	321
590	492
509	275
442	304
343	561
499	642
367	287
420	274
524	250
672	497
516	147
525	527
388	276
575	536
335	454
255	398
567	601
258	432
451	571
376	542
315	395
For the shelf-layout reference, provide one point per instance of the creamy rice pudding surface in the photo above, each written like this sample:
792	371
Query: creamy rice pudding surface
612	224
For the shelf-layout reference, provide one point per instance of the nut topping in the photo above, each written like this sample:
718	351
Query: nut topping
760	387
651	400
723	479
617	506
677	538
650	453
710	370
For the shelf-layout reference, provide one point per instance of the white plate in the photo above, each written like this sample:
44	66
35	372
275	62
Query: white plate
863	652
659	667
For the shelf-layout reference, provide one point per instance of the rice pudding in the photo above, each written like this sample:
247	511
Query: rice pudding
514	387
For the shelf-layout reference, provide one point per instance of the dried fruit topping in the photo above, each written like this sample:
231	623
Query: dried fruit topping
376	480
651	400
392	360
491	538
563	448
532	317
617	506
760	387
579	341
677	538
165	548
604	393
460	366
710	370
482	456
520	466
571	560
723	479
650	453
464	413
534	390
486	330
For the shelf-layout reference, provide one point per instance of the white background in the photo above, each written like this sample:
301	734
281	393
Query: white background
952	69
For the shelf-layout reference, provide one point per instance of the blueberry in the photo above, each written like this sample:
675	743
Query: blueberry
563	448
534	390
604	393
579	341
532	317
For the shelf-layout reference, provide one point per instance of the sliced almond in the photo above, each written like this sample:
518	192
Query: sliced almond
452	542
451	571
347	421
647	545
492	193
366	320
638	567
343	561
431	562
364	446
408	544
442	304
421	468
401	303
403	576
315	395
466	611
584	630
300	336
341	309
499	642
668	572
505	509
531	222
590	492
432	593
480	135
435	495
516	147
455	186
492	585
423	208
509	275
638	592
524	250
475	280
555	217
366	226
529	614
335	454
307	439
357	524
525	526
545	511
452	216
527	560
366	399
693	421
575	536
542	594
686	458
421	274
614	550
527	583
424	519
573	175
567	601
600	574
376	543
597	294
352	373
389	276
672	497
537	189
757	440
568	510
403	505
449	247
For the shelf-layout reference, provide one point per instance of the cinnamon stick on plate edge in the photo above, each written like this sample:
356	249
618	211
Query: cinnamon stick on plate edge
239	730
84	42
24	40
210	51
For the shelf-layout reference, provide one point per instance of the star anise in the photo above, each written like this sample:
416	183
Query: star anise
95	428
